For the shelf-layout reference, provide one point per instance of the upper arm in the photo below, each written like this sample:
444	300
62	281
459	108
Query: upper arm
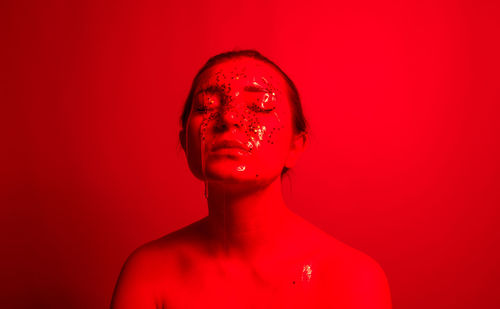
134	288
367	286
357	280
373	287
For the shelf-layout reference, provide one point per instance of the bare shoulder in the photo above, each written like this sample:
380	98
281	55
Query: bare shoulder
151	267
356	280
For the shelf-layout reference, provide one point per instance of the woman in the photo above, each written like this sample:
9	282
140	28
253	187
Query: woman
242	129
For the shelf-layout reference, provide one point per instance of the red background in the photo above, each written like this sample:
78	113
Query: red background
403	164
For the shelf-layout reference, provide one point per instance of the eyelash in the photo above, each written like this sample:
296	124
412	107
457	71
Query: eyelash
258	109
265	110
201	109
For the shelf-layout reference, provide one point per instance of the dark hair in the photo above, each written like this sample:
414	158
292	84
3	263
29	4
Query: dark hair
298	118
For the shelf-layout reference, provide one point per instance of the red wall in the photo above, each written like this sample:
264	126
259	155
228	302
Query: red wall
403	162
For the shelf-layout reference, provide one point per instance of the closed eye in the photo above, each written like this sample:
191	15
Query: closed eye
206	101
258	108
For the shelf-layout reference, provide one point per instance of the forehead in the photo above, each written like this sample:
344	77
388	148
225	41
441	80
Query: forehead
243	71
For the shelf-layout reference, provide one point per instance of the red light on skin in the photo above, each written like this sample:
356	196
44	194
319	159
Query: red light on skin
251	250
244	102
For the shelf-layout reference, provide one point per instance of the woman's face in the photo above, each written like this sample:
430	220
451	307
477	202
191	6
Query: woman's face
240	125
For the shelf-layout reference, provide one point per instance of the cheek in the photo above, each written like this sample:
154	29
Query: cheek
200	134
261	132
194	140
272	140
271	129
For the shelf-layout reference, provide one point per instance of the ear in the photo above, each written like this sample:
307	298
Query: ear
297	147
182	139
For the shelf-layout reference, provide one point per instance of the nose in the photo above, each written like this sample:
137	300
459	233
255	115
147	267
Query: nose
228	117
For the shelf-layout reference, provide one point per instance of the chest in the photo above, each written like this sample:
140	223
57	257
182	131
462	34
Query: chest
236	285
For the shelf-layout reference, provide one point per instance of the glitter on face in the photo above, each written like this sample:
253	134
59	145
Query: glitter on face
237	100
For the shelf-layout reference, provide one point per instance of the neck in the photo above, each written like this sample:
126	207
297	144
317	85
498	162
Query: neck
246	221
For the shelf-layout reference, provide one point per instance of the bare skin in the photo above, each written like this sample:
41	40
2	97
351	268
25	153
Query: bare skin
251	251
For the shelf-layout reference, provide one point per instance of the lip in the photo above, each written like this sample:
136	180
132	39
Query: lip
229	145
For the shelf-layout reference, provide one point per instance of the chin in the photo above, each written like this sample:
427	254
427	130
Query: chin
236	172
232	174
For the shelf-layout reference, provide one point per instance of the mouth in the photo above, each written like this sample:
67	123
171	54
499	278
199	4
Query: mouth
230	152
229	147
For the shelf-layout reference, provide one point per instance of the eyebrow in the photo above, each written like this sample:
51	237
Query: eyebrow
211	89
249	88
